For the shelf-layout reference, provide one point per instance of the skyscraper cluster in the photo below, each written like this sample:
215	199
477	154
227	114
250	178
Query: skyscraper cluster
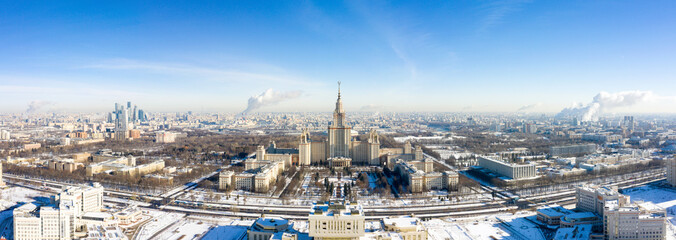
124	117
134	114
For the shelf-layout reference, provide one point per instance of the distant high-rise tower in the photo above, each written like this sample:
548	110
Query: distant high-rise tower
134	115
121	122
142	116
373	151
628	123
339	133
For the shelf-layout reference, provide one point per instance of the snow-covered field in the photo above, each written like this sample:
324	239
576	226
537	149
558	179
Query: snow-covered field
503	226
185	229
160	221
13	195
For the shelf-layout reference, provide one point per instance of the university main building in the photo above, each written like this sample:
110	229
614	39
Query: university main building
338	151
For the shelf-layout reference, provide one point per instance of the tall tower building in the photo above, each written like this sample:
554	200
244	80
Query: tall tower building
373	148
340	150
339	133
121	122
304	149
134	115
671	171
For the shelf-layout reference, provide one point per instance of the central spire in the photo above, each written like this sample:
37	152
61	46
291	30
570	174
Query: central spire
339	102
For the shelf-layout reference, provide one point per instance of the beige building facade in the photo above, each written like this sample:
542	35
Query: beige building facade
336	221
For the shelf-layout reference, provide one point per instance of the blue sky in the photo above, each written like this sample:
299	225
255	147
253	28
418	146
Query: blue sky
390	56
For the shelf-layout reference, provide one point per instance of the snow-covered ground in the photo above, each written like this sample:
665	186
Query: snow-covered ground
502	226
185	229
160	221
13	195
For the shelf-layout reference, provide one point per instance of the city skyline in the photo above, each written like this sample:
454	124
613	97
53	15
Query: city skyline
505	56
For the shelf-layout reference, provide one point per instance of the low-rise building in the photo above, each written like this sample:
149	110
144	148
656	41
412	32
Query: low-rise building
265	227
579	232
225	179
510	170
339	162
128	215
165	137
419	181
336	221
405	228
261	172
126	166
582	218
81	157
65	165
551	215
31	146
572	149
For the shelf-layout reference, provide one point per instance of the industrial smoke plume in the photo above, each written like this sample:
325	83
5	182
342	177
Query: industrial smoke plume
269	97
605	101
528	107
36	105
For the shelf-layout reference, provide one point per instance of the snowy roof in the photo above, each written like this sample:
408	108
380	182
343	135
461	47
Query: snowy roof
554	211
270	223
405	221
583	216
336	209
97	215
579	232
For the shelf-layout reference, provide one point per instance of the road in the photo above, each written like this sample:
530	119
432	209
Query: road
371	212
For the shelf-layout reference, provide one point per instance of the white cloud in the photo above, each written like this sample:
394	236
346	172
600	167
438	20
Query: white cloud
228	75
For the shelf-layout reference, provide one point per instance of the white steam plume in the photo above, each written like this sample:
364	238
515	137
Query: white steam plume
269	97
605	101
36	105
528	107
371	108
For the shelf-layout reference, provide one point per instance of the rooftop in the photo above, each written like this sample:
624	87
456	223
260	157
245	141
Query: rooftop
404	221
579	232
271	224
554	211
336	209
582	216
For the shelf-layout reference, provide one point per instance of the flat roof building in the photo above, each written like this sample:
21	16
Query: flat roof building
510	170
336	221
